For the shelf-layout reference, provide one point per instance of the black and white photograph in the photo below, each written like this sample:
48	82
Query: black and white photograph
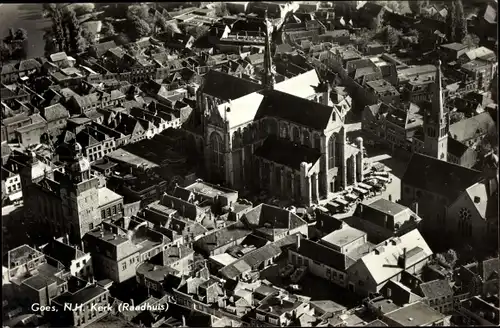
250	164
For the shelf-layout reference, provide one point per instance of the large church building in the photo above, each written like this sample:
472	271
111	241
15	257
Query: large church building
287	138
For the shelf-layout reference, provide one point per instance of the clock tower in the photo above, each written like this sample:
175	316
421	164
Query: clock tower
436	123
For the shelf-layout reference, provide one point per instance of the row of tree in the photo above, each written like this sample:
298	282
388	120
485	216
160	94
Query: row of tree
15	45
66	34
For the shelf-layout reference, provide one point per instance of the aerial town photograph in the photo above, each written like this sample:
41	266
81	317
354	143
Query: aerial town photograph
259	163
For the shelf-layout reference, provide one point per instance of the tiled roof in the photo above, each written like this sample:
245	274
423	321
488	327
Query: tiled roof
55	112
433	175
472	127
436	289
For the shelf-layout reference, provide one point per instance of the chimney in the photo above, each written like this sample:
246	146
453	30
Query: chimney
298	241
67	239
183	321
114	236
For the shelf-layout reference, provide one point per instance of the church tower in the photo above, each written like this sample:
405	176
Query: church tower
436	123
269	70
79	196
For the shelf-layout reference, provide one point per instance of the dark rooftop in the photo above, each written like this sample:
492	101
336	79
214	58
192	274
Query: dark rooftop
433	175
287	153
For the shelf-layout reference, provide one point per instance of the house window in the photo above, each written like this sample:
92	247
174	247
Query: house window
124	266
103	214
91	226
273	321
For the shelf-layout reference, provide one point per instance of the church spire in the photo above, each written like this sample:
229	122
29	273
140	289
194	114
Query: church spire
269	73
437	101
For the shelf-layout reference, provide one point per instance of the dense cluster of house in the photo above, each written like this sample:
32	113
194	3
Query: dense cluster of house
108	221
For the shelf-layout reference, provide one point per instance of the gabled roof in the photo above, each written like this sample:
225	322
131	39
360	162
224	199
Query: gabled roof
436	289
277	217
472	127
55	112
484	200
382	262
8	69
28	65
58	56
440	177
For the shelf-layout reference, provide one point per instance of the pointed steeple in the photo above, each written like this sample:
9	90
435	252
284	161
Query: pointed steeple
269	73
437	101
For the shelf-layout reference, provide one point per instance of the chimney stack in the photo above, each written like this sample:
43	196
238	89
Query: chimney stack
67	239
298	241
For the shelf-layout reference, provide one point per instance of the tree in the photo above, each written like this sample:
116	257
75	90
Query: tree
50	43
88	37
83	8
451	22
416	6
461	25
122	39
108	29
391	36
197	31
75	42
451	257
471	41
456	117
21	34
141	28
5	52
221	9
139	11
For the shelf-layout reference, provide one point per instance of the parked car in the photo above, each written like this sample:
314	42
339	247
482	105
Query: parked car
286	271
298	274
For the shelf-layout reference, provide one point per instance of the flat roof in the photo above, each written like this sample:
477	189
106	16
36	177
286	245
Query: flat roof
208	189
121	155
343	236
416	314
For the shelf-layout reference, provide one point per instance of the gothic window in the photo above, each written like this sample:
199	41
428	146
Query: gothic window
307	139
273	127
283	131
296	134
331	152
217	149
465	222
317	142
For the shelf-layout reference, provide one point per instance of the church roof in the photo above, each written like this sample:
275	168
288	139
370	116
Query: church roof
228	87
287	153
294	109
440	177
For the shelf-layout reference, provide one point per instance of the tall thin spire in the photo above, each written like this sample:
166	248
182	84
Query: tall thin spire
437	102
269	73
